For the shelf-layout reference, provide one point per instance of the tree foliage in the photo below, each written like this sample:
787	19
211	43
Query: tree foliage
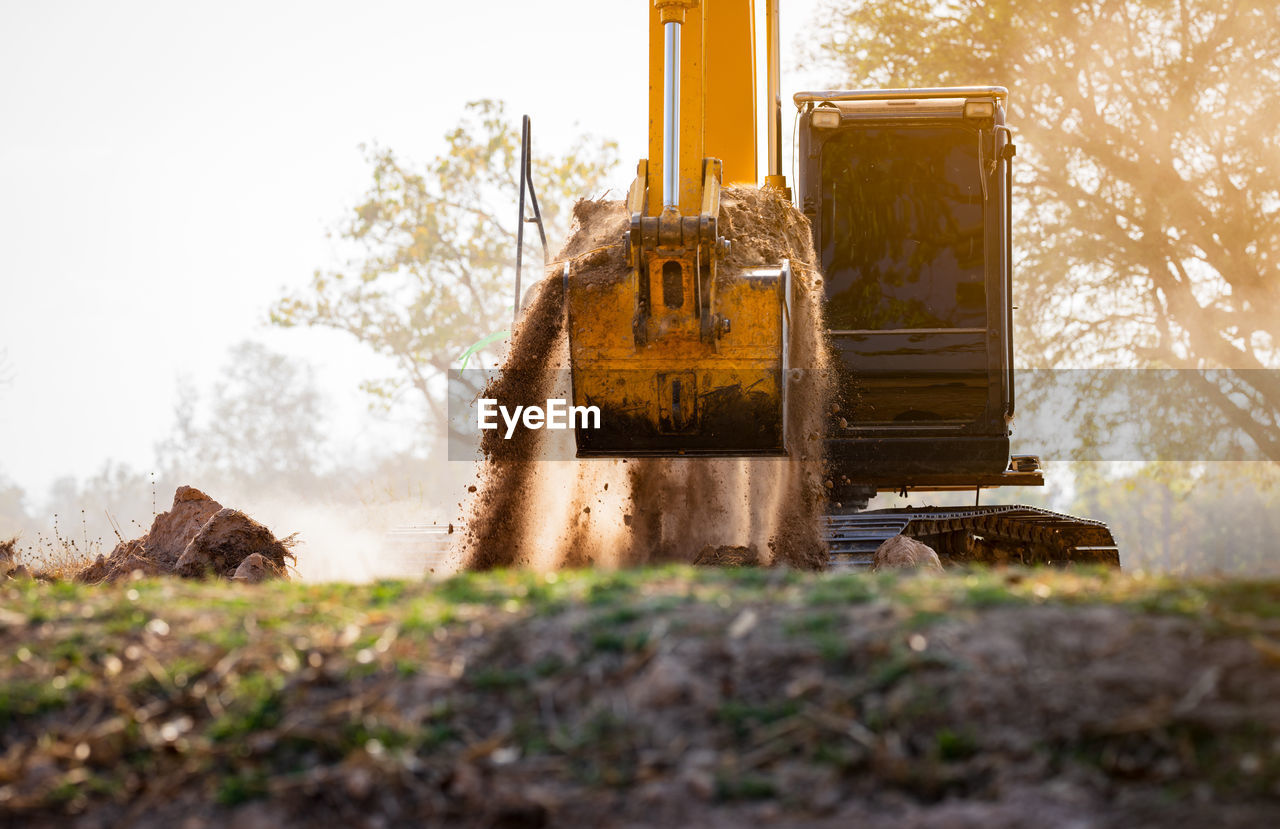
259	427
1148	195
13	508
84	513
1187	517
434	249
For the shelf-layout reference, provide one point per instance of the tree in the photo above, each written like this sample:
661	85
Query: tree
434	250
1148	195
261	430
1174	517
85	515
13	509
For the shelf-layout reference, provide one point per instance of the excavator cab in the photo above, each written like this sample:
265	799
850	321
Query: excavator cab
907	192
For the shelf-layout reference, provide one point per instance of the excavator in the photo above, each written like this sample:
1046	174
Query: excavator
908	193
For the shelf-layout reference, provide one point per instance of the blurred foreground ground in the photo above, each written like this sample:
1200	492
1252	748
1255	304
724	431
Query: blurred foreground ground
643	698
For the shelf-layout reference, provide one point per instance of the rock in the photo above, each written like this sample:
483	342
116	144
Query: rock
225	541
254	570
903	553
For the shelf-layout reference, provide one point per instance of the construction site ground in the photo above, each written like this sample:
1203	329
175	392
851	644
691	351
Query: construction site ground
659	697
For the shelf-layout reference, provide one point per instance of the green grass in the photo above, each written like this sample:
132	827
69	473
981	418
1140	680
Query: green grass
745	787
243	685
742	717
22	698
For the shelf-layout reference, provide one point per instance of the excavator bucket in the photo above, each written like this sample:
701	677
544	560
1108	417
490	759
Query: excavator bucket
683	355
665	389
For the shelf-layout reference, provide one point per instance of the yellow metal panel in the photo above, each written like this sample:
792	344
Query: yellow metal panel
654	206
717	98
730	398
691	124
729	120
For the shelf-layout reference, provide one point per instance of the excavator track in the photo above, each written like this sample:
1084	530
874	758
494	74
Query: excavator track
960	535
998	534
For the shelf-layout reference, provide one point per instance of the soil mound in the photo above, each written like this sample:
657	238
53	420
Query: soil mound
531	511
1018	698
195	537
171	531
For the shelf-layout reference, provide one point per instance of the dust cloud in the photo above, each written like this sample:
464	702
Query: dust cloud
357	542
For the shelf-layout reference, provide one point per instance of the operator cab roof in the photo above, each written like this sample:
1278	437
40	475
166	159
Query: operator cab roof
930	100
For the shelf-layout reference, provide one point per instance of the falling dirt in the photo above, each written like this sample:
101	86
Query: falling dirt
532	511
496	528
727	555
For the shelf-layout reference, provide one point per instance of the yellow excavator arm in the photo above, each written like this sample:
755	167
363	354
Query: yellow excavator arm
714	82
690	358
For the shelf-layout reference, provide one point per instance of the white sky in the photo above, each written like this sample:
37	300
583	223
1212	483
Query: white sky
168	169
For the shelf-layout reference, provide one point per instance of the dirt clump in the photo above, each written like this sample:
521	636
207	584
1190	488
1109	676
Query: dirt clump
225	541
8	556
10	568
727	555
673	508
904	553
764	228
197	536
173	530
594	249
